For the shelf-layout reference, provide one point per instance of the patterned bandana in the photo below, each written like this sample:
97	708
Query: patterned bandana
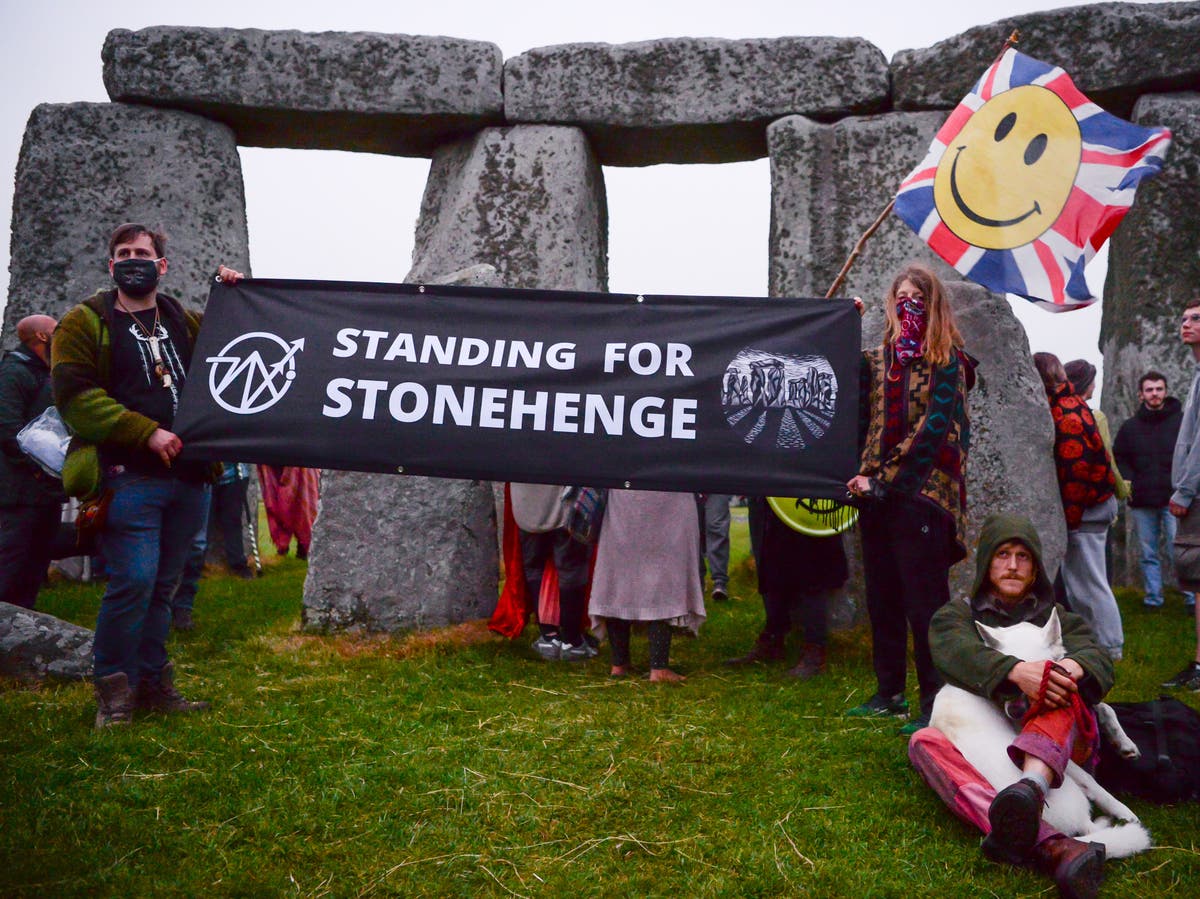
911	312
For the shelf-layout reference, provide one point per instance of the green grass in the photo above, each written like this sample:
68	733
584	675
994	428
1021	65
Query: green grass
463	766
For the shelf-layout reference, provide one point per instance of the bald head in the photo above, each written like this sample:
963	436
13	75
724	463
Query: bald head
34	332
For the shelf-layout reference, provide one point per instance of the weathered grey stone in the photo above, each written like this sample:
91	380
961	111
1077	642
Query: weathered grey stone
1010	466
35	646
1153	272
528	200
383	93
393	553
1154	265
692	99
1114	52
86	167
828	184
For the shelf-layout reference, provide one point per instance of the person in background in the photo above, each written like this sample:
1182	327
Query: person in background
911	485
715	524
796	574
1082	375
30	500
290	497
647	570
1087	487
1143	450
1185	479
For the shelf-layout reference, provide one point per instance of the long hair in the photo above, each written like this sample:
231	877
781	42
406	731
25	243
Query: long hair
1051	369
941	332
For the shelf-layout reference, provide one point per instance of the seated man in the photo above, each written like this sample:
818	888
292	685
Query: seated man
1011	586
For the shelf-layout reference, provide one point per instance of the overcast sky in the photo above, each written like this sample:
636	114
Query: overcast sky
673	229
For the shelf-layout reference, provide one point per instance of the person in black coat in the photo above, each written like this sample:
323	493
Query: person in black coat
1143	450
30	500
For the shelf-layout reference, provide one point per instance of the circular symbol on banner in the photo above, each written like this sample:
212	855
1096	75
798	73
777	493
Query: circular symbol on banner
253	372
1006	176
787	402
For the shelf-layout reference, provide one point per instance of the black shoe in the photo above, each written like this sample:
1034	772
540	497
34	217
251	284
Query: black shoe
880	706
719	595
1015	816
242	571
1187	679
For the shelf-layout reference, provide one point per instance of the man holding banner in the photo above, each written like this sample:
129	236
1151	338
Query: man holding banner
119	362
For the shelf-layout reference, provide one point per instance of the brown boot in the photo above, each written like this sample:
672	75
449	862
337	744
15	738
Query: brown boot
1077	867
114	701
767	648
811	663
159	694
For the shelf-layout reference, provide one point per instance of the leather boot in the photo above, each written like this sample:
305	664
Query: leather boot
159	694
114	701
767	648
1014	815
811	663
1077	867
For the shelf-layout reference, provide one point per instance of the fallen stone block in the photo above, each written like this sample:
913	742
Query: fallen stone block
35	646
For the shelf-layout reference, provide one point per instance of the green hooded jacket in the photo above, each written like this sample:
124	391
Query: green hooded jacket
959	652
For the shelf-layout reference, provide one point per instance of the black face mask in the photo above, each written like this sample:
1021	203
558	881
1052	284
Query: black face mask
137	278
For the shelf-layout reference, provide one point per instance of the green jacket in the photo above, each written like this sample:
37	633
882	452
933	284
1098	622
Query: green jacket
24	395
967	662
81	359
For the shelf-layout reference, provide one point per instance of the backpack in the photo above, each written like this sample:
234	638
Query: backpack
1168	733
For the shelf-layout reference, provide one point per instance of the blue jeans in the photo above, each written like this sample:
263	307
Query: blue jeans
1153	523
147	537
189	581
716	538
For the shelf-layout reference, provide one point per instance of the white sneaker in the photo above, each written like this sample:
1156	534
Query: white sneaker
580	653
549	648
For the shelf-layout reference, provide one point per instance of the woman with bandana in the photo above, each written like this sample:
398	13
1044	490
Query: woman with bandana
911	483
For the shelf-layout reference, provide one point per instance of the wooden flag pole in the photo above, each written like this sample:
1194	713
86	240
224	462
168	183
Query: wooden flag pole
858	247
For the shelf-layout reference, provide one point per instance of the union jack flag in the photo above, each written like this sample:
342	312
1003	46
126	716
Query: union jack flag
1026	180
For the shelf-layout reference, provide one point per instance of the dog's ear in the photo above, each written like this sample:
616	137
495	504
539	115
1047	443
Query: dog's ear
990	635
1053	631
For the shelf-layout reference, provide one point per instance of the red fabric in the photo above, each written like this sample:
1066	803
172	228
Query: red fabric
290	496
1062	724
511	609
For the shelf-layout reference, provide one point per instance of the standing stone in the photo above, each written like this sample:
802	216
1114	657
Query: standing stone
1114	52
1010	465
1153	272
692	99
393	553
85	168
36	647
828	184
382	93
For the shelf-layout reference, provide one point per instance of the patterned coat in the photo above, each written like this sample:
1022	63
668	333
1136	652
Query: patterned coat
1085	478
916	431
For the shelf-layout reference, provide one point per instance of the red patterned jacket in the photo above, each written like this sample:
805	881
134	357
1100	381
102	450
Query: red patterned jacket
1085	478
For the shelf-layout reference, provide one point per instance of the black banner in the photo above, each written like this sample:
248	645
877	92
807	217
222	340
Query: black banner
727	395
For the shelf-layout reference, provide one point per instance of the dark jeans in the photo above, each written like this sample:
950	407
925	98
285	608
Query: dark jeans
151	525
189	582
27	535
228	513
571	559
906	547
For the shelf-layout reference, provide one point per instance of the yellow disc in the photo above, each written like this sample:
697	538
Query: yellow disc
1006	176
814	517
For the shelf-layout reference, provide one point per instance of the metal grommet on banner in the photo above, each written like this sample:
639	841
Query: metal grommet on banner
626	485
399	469
641	298
421	289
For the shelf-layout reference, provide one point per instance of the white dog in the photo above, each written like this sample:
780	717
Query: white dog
981	731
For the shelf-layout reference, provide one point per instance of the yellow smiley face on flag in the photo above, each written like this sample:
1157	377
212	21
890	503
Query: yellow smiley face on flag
1006	176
